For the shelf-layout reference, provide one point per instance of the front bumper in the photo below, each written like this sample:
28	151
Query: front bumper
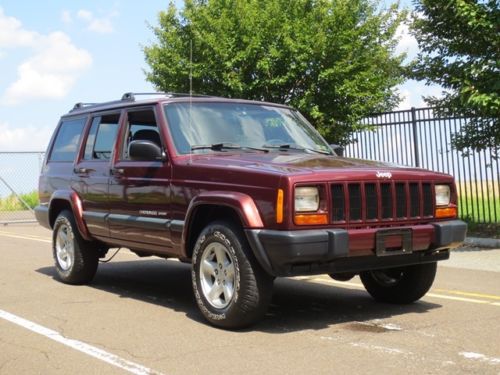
304	252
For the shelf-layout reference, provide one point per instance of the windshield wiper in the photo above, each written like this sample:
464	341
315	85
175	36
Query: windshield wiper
287	146
216	147
225	146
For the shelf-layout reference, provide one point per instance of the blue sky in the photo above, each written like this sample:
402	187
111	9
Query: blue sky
62	52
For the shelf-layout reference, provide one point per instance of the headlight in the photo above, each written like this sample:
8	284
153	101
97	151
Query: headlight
306	199
442	195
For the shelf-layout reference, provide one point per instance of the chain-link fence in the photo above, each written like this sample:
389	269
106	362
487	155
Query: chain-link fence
19	173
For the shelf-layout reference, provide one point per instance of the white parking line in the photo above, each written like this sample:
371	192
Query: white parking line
32	238
42	239
90	350
480	357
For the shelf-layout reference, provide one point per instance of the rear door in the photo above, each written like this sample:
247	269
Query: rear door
140	190
92	171
57	173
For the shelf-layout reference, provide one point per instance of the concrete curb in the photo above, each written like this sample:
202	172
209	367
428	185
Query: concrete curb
482	242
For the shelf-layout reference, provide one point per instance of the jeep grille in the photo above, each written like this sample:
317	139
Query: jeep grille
381	202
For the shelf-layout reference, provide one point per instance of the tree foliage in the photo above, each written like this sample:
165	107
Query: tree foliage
334	60
460	50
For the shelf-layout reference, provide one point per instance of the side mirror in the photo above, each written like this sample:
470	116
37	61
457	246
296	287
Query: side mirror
142	150
339	150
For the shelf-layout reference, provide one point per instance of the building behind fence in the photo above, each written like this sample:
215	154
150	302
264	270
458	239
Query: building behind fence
415	137
419	138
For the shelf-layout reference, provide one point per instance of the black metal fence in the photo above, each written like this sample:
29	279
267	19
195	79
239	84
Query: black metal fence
420	138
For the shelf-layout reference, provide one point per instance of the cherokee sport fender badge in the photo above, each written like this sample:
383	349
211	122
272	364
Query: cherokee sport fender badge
383	174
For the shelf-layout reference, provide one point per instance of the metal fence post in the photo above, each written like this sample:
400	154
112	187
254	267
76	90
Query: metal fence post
415	135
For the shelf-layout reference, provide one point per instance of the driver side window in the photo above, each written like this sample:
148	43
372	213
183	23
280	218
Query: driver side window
141	125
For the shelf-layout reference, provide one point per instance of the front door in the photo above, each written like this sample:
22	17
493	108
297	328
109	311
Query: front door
139	191
92	170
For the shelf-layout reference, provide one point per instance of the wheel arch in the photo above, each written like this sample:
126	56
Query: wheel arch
68	200
236	207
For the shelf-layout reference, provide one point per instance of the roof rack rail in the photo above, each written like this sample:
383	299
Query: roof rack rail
78	106
130	97
81	105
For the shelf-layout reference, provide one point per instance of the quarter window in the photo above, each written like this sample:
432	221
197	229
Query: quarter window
67	140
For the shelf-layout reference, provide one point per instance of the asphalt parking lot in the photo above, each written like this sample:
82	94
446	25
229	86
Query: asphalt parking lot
139	316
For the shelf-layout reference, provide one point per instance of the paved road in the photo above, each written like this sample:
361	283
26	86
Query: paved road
139	316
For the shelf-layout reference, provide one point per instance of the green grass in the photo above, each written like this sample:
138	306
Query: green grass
12	203
479	213
479	209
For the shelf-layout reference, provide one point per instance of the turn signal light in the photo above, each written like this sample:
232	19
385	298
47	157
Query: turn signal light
446	212
311	219
279	207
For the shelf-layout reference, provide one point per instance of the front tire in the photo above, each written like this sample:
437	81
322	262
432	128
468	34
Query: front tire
401	285
230	287
76	260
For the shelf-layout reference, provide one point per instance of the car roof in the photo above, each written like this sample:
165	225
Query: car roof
129	100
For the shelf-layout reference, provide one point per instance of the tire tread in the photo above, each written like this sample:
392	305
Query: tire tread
415	283
86	254
255	290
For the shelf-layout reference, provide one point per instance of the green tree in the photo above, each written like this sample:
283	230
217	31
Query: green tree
460	45
334	60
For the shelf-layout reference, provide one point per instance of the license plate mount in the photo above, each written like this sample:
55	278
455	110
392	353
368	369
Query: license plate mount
383	238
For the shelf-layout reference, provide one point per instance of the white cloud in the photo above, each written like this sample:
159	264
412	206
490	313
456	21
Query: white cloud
12	33
407	42
412	93
84	15
99	25
66	17
50	72
406	102
31	138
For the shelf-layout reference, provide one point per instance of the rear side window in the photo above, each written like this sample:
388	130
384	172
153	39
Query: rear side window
67	140
101	138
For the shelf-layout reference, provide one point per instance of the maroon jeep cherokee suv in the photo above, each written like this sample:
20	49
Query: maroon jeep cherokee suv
245	191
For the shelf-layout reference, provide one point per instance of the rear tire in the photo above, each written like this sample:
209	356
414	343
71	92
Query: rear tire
230	287
400	285
76	260
344	276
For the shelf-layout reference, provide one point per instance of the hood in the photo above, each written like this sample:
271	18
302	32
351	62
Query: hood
298	163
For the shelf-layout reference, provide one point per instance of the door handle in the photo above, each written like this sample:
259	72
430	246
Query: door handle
117	171
82	170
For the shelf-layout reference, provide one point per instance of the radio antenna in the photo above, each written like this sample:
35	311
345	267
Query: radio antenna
190	96
190	67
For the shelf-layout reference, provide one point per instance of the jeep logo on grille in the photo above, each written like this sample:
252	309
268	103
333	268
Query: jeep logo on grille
384	175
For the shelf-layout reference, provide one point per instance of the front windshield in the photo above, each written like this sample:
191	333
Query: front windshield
247	125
